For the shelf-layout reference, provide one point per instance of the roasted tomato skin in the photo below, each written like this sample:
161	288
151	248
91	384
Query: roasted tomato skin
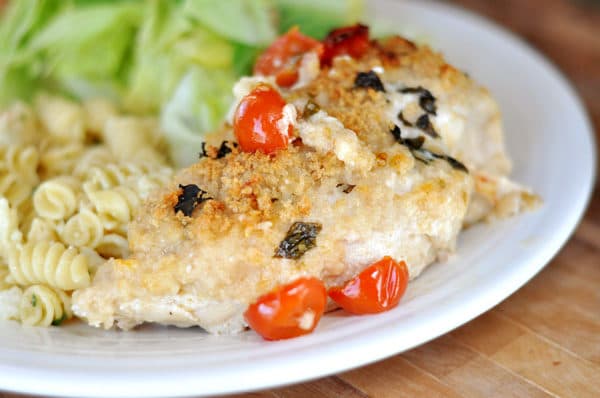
282	58
289	311
378	288
256	118
350	40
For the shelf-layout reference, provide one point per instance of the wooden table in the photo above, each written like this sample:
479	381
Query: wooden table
543	341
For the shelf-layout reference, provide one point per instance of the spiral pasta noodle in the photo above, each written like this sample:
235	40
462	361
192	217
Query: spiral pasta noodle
112	175
113	245
71	179
51	263
115	206
57	199
19	125
41	229
44	306
64	120
59	158
21	160
84	229
96	156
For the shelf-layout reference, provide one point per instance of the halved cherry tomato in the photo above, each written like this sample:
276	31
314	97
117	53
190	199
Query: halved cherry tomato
377	288
350	40
289	311
282	57
255	121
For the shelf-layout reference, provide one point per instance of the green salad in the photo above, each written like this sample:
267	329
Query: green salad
175	58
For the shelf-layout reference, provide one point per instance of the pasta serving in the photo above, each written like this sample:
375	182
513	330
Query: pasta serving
71	177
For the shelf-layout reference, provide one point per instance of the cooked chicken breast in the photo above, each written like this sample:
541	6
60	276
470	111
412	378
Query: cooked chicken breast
377	169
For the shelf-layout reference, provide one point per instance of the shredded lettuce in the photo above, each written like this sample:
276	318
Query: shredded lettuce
242	21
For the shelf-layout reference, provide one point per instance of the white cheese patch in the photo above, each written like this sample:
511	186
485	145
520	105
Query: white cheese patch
288	119
328	134
309	69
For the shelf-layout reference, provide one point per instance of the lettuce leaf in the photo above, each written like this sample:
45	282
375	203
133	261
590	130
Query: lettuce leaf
317	17
250	22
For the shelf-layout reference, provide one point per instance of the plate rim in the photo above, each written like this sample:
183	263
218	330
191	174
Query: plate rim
130	386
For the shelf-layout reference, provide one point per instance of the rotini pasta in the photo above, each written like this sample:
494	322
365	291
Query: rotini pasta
14	190
98	111
43	306
59	158
65	202
64	120
20	160
41	230
115	206
19	125
94	259
57	198
10	299
113	245
50	263
84	229
127	135
112	175
95	156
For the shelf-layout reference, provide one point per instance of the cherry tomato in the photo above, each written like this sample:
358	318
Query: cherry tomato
377	288
255	121
289	311
350	40
282	57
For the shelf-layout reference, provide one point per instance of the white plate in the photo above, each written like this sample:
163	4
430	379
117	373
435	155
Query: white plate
549	138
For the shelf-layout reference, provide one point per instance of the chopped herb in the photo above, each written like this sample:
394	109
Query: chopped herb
301	237
411	90
414	143
411	143
60	320
397	133
422	155
203	153
426	156
368	80
33	300
346	188
403	119
425	125
453	162
426	99
191	196
223	150
310	109
427	103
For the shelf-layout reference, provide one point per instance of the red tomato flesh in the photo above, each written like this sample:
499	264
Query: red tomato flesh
282	57
289	311
377	288
350	40
255	121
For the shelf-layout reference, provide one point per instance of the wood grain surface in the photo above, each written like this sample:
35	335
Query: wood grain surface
543	341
